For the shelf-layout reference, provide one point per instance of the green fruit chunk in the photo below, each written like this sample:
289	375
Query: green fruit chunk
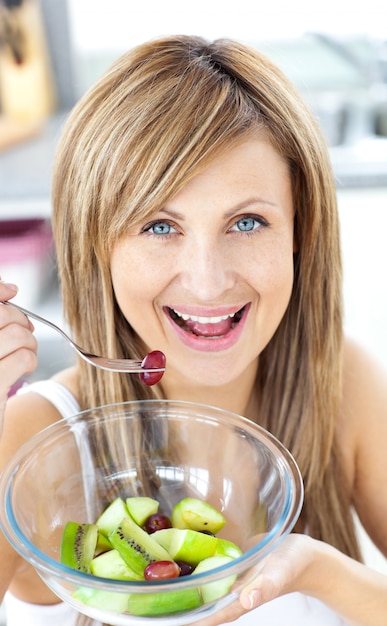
112	516
219	588
78	545
141	507
111	565
224	547
103	544
154	604
190	545
104	600
197	515
135	546
164	537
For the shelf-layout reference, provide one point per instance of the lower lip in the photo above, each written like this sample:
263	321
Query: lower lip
217	344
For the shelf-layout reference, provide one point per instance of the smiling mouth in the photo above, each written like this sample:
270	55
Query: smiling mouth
209	327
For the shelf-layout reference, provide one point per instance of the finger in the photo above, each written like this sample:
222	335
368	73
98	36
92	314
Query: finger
14	366
10	315
229	614
279	573
257	593
18	346
15	336
7	291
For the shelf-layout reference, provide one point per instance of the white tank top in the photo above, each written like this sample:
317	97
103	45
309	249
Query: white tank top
294	609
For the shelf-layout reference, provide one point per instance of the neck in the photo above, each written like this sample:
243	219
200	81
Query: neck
238	396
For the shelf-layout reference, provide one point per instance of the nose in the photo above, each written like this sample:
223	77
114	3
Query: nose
207	270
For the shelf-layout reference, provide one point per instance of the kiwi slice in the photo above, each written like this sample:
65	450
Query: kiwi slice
212	591
111	565
141	507
78	545
154	604
135	546
112	516
197	515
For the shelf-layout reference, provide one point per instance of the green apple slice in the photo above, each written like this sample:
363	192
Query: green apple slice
141	507
100	599
224	547
190	545
197	515
157	604
219	588
111	565
112	516
103	544
164	537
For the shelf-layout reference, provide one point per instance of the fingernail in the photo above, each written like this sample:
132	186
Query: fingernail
255	598
11	287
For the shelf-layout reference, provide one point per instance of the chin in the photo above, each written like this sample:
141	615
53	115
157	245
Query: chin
206	375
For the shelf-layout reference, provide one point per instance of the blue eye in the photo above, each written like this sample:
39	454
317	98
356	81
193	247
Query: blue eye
249	224
160	229
246	223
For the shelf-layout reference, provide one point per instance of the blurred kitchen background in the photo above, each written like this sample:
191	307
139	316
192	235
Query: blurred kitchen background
51	51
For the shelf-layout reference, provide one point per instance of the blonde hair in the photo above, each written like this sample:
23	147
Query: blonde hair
160	114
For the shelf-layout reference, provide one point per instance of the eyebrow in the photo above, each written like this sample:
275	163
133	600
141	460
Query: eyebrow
241	206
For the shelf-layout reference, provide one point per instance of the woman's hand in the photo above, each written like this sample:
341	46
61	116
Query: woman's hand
282	571
18	346
302	564
285	570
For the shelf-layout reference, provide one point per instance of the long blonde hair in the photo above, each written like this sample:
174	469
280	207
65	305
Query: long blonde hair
158	116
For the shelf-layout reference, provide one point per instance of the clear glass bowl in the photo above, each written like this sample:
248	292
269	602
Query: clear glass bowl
163	449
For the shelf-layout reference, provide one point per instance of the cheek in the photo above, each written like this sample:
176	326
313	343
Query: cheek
282	277
272	272
274	293
135	278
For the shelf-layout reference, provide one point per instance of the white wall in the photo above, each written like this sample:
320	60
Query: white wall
119	24
363	215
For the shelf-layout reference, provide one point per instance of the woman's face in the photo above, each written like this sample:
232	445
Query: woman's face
209	277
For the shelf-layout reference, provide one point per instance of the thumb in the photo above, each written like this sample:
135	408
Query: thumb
281	572
262	589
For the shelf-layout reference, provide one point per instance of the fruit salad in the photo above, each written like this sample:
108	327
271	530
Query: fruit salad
133	540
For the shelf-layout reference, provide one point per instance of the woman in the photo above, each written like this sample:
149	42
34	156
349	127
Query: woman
194	212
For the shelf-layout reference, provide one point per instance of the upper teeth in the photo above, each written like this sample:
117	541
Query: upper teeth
204	320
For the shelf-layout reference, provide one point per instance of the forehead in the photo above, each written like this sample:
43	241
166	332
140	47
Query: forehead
252	167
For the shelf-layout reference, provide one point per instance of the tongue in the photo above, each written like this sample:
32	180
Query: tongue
210	330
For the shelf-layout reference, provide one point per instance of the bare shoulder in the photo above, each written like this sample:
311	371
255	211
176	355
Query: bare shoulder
69	378
28	413
363	431
364	388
